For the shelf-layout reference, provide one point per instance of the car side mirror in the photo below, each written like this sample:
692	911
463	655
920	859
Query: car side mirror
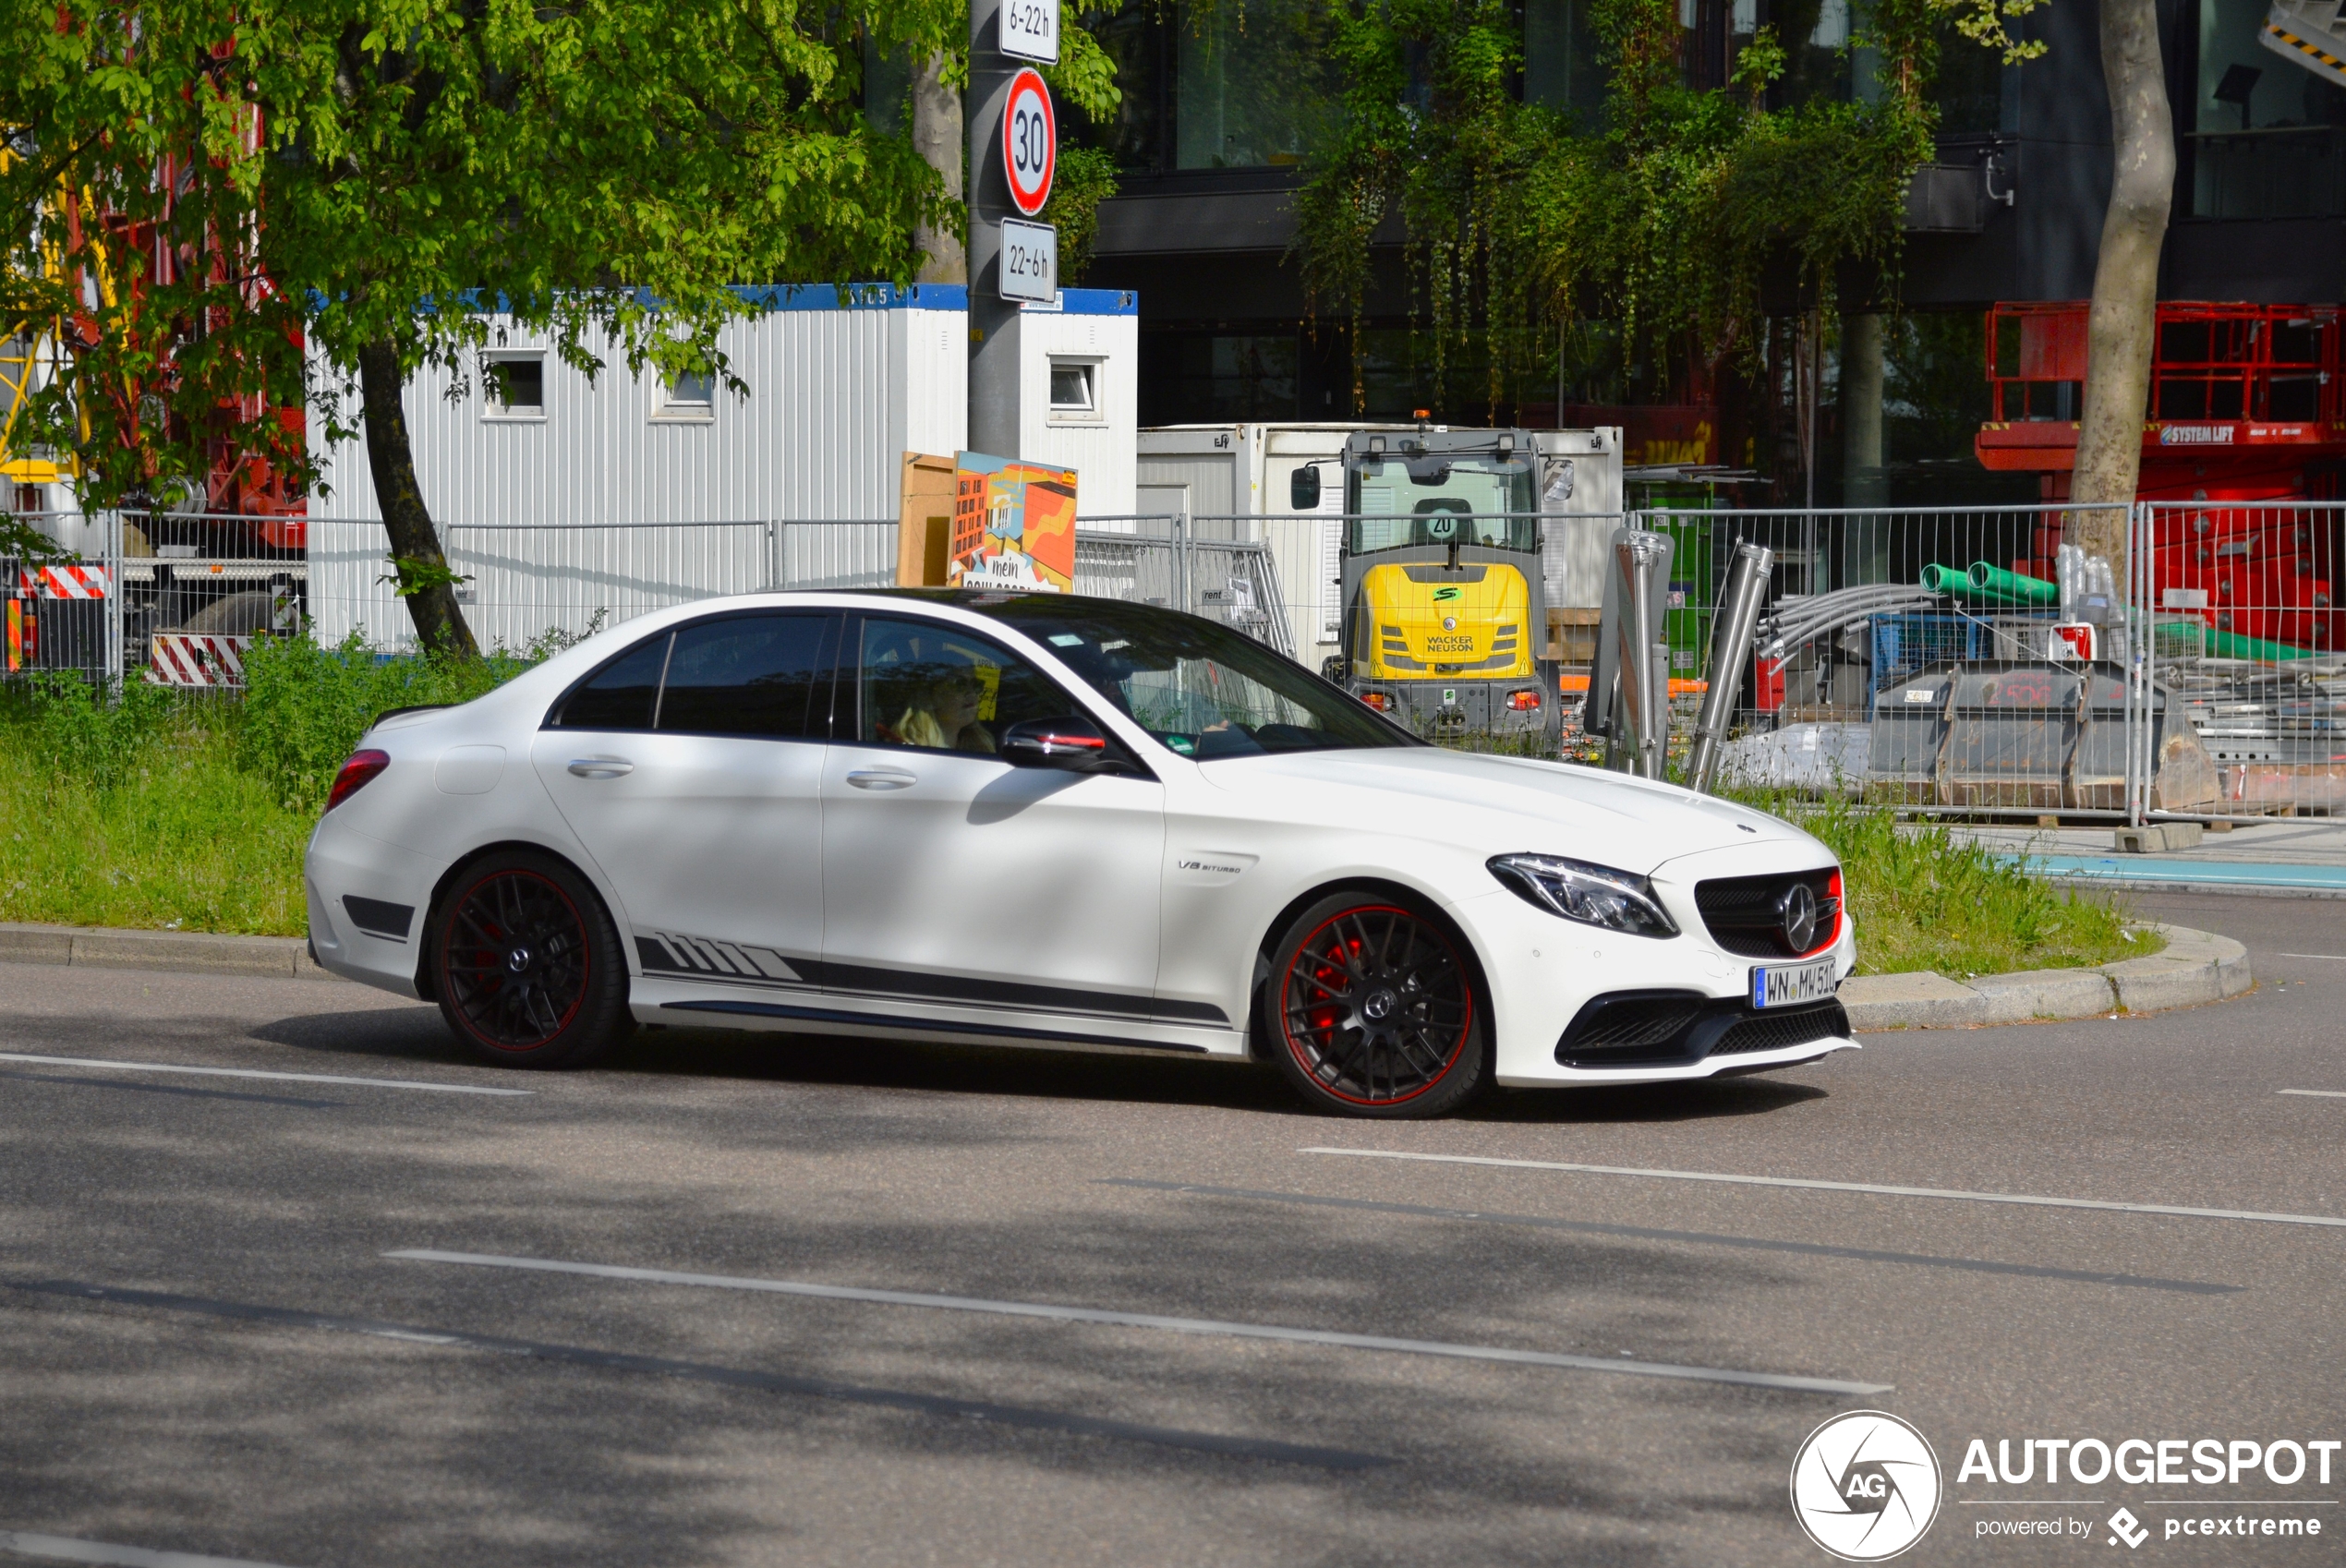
1303	489
1070	744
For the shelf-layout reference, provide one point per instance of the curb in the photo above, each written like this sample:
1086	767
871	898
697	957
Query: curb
83	946
2198	967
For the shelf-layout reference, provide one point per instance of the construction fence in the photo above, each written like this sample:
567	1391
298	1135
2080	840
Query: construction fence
1951	658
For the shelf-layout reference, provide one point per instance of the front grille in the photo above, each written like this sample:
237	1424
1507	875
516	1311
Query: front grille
1775	1031
1741	912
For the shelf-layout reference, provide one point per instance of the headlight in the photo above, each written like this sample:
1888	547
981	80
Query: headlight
1594	895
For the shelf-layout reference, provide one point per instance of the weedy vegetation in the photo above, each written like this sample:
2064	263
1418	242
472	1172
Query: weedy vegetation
149	808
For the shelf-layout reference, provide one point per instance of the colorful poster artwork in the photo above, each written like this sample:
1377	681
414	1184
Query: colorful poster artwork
1013	526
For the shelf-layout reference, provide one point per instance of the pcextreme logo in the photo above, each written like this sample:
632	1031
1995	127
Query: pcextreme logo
1865	1486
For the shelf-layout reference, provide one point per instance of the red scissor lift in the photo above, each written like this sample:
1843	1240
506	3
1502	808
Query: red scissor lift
2247	405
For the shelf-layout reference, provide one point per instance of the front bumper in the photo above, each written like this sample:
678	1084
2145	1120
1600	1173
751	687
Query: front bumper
1545	971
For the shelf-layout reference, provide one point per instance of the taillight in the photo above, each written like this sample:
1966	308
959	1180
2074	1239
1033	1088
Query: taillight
1525	701
1380	701
361	767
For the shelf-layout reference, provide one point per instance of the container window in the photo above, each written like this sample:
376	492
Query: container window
517	387
694	392
1075	389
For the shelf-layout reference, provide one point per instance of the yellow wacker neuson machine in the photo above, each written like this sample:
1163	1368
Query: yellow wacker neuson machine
1441	579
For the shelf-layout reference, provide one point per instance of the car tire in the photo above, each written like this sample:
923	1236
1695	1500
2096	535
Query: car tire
1372	1009
526	963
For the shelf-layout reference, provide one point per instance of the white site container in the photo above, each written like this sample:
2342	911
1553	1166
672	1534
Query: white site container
550	512
1233	480
1079	362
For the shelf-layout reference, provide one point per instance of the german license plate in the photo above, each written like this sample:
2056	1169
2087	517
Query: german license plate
1793	984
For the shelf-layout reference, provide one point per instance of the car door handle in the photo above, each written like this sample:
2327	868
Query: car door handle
881	778
601	767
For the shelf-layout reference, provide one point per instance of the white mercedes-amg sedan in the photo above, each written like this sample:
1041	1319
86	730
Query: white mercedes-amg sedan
1064	822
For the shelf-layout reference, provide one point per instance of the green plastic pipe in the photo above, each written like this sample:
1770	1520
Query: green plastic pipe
2231	645
1947	580
1994	583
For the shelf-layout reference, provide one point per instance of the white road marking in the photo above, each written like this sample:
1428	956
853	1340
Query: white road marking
1848	1187
256	1072
63	1548
2334	958
1154	1320
2316	1094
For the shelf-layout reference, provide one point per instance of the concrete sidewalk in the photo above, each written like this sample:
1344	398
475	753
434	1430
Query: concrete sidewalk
2300	856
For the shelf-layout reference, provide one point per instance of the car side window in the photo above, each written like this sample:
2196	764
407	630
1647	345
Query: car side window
939	688
622	694
761	675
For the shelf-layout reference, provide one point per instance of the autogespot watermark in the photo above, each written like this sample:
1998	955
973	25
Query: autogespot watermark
2070	1465
1866	1485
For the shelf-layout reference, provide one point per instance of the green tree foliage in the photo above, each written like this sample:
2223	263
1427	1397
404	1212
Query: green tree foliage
374	176
1085	177
134	168
1663	220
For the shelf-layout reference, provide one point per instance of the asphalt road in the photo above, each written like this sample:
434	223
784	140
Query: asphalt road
207	1345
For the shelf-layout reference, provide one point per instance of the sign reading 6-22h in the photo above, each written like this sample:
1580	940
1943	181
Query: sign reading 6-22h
1029	141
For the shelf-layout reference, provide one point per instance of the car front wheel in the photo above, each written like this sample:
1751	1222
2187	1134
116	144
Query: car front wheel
527	964
1372	1011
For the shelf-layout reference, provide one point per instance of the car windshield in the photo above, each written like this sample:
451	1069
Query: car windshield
1445	501
1204	690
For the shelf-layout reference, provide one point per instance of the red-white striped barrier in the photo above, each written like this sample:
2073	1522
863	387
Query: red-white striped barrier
63	582
197	658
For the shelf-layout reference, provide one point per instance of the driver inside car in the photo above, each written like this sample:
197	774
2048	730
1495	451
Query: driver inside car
944	715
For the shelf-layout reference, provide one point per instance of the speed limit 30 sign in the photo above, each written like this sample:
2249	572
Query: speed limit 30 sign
1029	141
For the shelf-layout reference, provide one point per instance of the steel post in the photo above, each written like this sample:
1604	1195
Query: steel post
993	346
116	662
1731	630
1641	722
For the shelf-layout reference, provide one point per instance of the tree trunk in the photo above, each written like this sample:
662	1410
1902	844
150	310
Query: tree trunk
2125	309
439	623
937	136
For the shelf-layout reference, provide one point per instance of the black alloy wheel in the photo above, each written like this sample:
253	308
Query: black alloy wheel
1374	1012
528	963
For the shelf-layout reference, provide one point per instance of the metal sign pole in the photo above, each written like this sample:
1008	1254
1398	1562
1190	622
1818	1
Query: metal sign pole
993	409
1009	256
116	662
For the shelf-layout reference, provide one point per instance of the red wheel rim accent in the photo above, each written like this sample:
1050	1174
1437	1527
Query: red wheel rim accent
1375	1007
514	960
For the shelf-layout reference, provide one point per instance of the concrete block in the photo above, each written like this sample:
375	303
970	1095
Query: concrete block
36	944
1920	999
2158	839
2226	958
2044	994
185	950
2146	986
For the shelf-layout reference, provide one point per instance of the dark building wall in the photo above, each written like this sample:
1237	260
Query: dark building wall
1227	331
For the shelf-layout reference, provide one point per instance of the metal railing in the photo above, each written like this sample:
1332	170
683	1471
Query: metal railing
2222	648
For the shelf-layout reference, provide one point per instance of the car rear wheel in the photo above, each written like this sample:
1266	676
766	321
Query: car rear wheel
1373	1011
528	963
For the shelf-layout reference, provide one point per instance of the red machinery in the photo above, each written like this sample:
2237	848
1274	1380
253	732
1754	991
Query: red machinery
120	261
2246	404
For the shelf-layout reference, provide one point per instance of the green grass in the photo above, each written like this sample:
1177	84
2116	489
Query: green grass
183	839
1922	898
162	811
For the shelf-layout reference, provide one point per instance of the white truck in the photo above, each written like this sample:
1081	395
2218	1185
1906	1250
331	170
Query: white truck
1237	482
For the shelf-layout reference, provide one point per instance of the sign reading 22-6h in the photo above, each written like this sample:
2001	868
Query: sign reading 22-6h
1029	141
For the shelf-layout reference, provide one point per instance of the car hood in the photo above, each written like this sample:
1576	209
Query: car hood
1498	804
